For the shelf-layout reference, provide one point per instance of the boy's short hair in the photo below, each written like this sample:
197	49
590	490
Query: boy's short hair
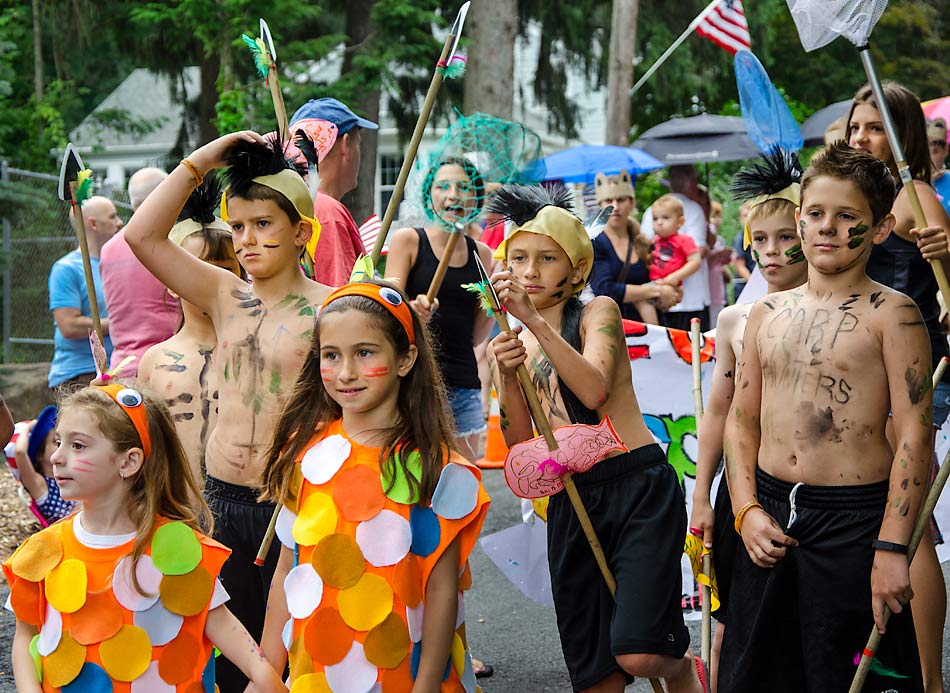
671	202
770	208
869	173
259	191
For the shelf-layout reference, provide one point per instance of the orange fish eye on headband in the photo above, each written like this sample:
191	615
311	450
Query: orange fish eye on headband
133	404
388	298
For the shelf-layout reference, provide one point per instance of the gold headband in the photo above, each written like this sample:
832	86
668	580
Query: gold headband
791	193
187	227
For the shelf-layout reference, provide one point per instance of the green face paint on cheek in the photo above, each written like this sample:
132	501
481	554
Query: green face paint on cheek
755	255
795	254
856	235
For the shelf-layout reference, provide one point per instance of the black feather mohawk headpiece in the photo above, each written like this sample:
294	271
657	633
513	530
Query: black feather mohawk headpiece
203	202
309	150
520	203
777	170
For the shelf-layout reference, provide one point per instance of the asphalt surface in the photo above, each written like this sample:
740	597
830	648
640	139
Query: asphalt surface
515	635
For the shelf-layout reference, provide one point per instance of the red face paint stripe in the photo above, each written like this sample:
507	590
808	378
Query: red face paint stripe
376	372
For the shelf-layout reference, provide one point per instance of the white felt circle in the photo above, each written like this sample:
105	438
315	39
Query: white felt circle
304	590
469	682
51	632
384	540
460	616
456	494
414	616
324	459
284	527
287	633
161	624
354	674
149	578
151	681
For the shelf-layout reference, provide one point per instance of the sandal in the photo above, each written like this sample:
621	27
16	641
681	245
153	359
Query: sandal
482	670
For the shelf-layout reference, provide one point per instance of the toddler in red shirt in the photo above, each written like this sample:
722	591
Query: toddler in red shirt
675	256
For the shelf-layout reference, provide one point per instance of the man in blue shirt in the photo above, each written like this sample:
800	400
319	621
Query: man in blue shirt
72	355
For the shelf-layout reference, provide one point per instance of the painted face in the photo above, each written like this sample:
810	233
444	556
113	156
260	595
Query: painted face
543	267
623	207
835	225
866	132
453	194
358	363
265	242
85	463
666	222
777	249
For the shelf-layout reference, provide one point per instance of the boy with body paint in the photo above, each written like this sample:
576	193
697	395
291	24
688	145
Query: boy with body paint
577	360
823	505
263	328
181	370
772	192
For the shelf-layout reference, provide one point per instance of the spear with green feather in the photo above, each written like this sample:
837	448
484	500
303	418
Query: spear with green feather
265	60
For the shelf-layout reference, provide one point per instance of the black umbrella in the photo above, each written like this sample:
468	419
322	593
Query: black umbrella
699	139
813	129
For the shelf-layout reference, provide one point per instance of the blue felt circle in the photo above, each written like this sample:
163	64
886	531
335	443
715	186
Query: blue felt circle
208	675
417	655
426	532
92	679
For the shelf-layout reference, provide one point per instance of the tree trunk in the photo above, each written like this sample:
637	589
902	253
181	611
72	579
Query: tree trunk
361	201
208	97
491	26
37	53
623	42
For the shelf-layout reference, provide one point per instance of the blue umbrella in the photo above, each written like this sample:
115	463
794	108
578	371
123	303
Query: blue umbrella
582	163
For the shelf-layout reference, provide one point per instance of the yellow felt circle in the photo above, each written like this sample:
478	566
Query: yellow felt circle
299	659
187	595
310	683
126	655
339	561
66	586
367	603
387	644
37	556
317	518
458	654
64	663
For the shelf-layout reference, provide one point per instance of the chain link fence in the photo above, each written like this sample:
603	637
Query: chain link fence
35	233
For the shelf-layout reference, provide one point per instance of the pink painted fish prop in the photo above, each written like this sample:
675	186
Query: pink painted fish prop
533	471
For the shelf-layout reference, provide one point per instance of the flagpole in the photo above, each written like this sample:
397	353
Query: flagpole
676	44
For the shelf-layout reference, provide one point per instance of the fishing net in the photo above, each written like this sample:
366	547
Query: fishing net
820	22
767	117
477	154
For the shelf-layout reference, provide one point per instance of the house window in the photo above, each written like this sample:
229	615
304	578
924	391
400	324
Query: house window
389	166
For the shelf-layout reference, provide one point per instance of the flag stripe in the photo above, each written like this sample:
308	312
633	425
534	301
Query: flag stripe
726	26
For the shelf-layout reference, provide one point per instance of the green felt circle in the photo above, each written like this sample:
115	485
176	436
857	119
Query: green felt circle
37	659
401	492
175	549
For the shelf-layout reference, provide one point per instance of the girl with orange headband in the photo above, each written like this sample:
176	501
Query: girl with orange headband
379	511
124	594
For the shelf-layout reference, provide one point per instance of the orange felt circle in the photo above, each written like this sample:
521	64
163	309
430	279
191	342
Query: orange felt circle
179	658
299	659
188	594
326	637
25	600
465	579
63	664
197	687
37	556
65	586
99	618
398	680
407	581
126	655
338	561
367	603
387	644
311	683
358	494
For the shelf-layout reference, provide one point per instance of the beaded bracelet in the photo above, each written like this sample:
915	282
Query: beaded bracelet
740	516
199	179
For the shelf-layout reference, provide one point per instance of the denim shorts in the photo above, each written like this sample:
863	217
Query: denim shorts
941	403
467	411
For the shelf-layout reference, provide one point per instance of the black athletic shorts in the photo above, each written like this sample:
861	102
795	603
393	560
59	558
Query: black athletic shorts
725	544
638	511
799	625
240	523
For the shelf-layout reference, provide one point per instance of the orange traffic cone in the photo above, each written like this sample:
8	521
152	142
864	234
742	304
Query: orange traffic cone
495	449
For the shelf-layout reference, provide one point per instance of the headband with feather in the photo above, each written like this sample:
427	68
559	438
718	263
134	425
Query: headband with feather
776	177
266	164
536	209
199	211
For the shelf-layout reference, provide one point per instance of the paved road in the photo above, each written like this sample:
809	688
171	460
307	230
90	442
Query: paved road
516	635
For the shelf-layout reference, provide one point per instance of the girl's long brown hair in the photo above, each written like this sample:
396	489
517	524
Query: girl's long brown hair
424	425
164	486
908	121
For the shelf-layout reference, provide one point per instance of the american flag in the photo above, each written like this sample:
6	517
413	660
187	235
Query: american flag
726	27
369	231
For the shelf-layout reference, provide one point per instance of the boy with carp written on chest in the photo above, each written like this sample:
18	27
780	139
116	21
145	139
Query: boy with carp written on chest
263	329
577	360
823	505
